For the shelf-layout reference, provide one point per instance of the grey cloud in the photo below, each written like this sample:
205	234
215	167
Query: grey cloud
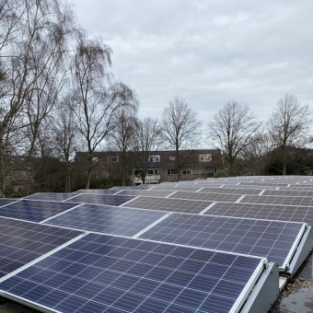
207	52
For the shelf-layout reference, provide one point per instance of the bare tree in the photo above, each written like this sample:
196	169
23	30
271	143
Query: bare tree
147	133
122	140
180	129
32	41
97	99
233	129
289	126
65	128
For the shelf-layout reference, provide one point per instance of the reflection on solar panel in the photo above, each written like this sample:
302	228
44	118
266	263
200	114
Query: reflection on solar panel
306	201
204	196
248	236
264	211
178	188
148	193
235	191
6	201
105	274
140	187
97	191
101	199
264	184
290	192
107	219
169	205
34	211
22	242
50	196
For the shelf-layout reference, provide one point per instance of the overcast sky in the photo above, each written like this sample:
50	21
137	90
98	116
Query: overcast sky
207	51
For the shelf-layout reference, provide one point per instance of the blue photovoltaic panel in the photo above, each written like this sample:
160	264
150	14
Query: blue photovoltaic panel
107	274
140	187
22	242
96	191
50	196
169	205
146	193
34	211
107	219
205	196
271	239
101	199
6	201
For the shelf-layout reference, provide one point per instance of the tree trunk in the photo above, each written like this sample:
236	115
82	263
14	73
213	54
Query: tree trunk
88	178
67	178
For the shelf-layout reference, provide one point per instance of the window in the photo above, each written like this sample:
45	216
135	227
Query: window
172	158
95	159
205	157
186	171
153	172
172	171
198	171
113	159
154	158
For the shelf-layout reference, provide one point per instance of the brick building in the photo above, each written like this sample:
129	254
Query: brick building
160	166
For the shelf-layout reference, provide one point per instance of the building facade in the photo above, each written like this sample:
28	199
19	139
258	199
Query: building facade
157	166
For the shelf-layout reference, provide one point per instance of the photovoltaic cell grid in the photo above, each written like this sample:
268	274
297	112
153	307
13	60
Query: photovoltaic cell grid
107	219
6	201
303	201
290	193
230	191
146	193
22	242
263	184
34	211
169	205
262	238
101	199
302	214
50	196
105	274
96	191
204	196
178	188
140	187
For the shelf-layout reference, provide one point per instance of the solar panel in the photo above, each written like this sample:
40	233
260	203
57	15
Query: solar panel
101	199
204	196
6	201
235	191
105	274
304	201
96	191
289	192
177	188
50	196
22	242
271	239
146	193
34	211
140	187
264	211
169	205
107	219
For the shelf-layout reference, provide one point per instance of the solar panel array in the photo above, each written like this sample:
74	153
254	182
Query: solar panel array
248	236
169	205
23	242
106	274
101	199
107	219
195	246
34	211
